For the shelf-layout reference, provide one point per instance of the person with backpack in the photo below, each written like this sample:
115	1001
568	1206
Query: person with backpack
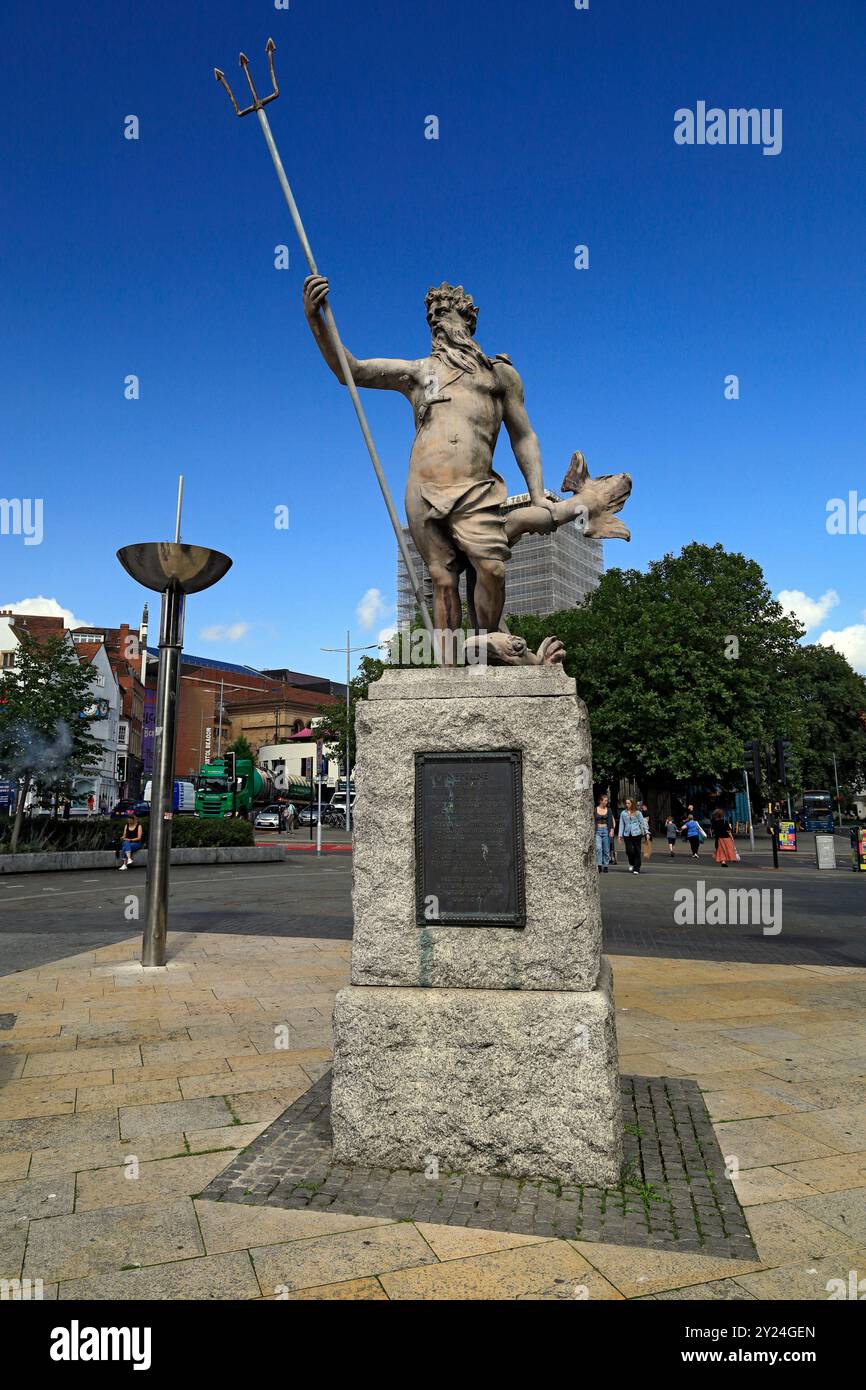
633	830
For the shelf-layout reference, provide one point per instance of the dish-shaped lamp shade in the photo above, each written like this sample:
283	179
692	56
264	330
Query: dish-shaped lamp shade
162	565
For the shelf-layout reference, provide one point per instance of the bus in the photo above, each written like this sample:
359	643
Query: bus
817	811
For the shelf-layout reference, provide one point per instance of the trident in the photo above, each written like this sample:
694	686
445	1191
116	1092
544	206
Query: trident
258	104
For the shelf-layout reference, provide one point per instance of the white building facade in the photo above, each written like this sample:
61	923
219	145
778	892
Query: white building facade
103	782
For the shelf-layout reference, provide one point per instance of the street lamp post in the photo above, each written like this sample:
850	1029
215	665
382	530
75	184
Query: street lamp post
348	650
172	570
838	797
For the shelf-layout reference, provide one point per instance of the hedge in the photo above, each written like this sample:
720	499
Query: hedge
187	832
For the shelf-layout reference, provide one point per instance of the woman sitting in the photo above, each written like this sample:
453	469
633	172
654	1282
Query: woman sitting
133	839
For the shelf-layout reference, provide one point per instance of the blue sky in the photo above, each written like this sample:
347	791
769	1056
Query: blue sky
156	257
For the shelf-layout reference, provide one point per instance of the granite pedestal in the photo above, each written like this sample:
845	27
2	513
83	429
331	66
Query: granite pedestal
486	1047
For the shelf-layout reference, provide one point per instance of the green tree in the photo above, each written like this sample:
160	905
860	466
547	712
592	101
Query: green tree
332	729
241	747
832	701
679	665
45	719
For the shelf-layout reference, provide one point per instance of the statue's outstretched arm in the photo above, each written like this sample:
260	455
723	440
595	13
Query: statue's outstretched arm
386	373
593	506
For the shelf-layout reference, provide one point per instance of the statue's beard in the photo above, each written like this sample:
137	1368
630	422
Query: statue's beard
454	345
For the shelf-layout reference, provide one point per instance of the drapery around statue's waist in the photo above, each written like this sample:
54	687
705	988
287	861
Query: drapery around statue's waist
470	511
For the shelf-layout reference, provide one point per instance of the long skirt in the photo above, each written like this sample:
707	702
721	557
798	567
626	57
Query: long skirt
726	850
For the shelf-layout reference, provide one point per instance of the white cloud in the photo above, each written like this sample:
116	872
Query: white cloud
224	632
386	634
42	607
850	641
810	611
372	609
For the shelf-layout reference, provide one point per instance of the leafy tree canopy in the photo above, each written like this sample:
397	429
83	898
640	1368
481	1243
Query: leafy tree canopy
832	704
46	713
332	729
241	747
679	665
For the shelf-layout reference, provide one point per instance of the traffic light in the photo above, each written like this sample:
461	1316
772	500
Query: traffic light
230	766
784	760
752	759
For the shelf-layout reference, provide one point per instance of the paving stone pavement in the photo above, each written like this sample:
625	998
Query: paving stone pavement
126	1092
674	1194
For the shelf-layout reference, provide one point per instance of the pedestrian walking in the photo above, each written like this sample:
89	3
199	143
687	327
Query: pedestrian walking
133	839
614	821
604	826
633	830
694	833
671	834
91	802
726	850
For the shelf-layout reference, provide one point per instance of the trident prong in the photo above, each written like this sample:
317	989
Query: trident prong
257	102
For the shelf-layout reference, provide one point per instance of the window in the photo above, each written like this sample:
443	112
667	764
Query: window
9	659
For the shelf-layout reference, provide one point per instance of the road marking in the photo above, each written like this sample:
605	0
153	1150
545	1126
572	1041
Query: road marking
191	883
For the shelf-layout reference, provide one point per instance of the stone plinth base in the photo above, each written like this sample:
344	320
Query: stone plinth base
522	1082
475	709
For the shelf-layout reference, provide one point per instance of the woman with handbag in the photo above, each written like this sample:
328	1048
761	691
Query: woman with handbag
633	830
695	833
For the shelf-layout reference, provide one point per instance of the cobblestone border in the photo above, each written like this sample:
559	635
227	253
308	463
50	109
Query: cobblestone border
674	1193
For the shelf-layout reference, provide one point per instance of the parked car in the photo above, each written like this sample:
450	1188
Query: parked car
124	807
270	818
141	808
309	815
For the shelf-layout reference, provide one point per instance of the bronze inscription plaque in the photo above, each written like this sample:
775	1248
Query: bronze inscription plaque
469	839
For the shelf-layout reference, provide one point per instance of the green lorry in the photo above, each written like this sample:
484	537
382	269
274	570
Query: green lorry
232	786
